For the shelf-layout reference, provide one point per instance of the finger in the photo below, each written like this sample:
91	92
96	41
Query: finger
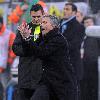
28	26
29	30
18	27
25	25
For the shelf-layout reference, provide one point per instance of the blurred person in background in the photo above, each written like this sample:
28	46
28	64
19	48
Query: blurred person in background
30	67
74	33
79	16
90	50
6	54
88	21
97	18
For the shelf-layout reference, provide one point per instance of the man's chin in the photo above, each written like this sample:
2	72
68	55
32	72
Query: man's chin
43	29
43	33
65	17
36	23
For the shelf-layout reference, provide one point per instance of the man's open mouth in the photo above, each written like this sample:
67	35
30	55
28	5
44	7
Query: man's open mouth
43	29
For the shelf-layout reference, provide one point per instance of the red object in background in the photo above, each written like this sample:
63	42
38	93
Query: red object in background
14	18
43	4
18	10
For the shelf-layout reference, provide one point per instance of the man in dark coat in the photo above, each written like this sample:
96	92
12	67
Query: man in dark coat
29	68
74	32
91	50
52	48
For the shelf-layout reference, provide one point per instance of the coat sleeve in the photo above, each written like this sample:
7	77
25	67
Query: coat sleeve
45	49
20	48
77	37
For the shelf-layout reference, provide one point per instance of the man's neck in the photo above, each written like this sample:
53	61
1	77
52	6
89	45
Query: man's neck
71	17
35	24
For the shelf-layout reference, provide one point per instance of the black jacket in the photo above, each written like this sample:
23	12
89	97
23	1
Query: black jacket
91	54
29	68
74	33
89	84
52	49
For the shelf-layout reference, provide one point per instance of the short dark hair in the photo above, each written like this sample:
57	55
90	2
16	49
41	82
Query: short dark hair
54	20
1	19
74	7
88	17
36	8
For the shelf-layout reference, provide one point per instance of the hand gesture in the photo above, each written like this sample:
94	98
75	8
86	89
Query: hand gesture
24	29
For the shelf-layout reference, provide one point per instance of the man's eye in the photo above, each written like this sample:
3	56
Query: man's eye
36	16
66	9
44	22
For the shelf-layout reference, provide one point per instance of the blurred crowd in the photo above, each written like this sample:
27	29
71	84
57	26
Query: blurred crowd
84	50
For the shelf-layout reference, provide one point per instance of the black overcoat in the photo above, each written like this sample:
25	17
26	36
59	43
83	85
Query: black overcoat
74	33
52	49
30	67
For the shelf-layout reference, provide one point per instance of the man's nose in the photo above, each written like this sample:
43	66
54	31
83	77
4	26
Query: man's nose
37	17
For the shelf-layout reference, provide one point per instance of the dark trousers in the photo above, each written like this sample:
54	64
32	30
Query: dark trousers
89	90
24	94
89	84
41	93
44	92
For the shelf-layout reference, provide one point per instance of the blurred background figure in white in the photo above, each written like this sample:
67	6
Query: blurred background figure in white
90	50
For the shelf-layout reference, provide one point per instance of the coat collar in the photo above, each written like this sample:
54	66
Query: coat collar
51	34
68	20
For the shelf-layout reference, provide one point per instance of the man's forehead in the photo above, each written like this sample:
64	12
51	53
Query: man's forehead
45	19
37	12
67	6
88	20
